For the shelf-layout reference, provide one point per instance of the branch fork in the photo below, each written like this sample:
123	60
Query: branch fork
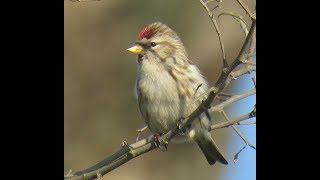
139	147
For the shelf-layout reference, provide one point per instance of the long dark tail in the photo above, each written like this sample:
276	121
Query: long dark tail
210	150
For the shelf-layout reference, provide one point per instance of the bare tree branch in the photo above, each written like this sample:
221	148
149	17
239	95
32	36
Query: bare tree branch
246	123
225	63
235	74
249	62
247	142
252	16
232	76
209	1
219	107
238	131
235	121
243	24
128	152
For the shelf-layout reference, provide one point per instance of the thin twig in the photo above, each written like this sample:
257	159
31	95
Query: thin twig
234	98
252	16
128	152
225	63
235	74
249	62
232	76
235	159
246	123
251	52
238	132
69	174
251	114
209	1
238	18
231	122
227	75
254	81
225	94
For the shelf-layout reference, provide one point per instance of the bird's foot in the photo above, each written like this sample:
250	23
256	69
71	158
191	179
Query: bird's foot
158	143
179	125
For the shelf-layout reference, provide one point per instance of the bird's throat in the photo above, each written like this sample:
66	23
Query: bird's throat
140	58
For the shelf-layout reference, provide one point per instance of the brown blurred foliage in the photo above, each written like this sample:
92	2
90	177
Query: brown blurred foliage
99	76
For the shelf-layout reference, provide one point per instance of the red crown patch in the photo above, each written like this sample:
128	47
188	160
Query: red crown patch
146	33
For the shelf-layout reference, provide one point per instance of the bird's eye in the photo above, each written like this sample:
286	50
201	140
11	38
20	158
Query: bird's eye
153	44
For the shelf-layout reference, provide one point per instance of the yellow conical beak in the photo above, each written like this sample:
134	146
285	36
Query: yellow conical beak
136	49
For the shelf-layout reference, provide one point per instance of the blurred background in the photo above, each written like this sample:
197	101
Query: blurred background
99	75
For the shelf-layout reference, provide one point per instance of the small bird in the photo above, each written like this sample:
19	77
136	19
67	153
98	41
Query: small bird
168	87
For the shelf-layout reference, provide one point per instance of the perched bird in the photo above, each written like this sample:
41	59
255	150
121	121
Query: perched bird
168	86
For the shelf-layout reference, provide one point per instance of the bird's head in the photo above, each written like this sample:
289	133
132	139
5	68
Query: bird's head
158	42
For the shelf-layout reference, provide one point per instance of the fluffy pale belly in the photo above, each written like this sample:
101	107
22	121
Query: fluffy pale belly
162	116
159	102
163	99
